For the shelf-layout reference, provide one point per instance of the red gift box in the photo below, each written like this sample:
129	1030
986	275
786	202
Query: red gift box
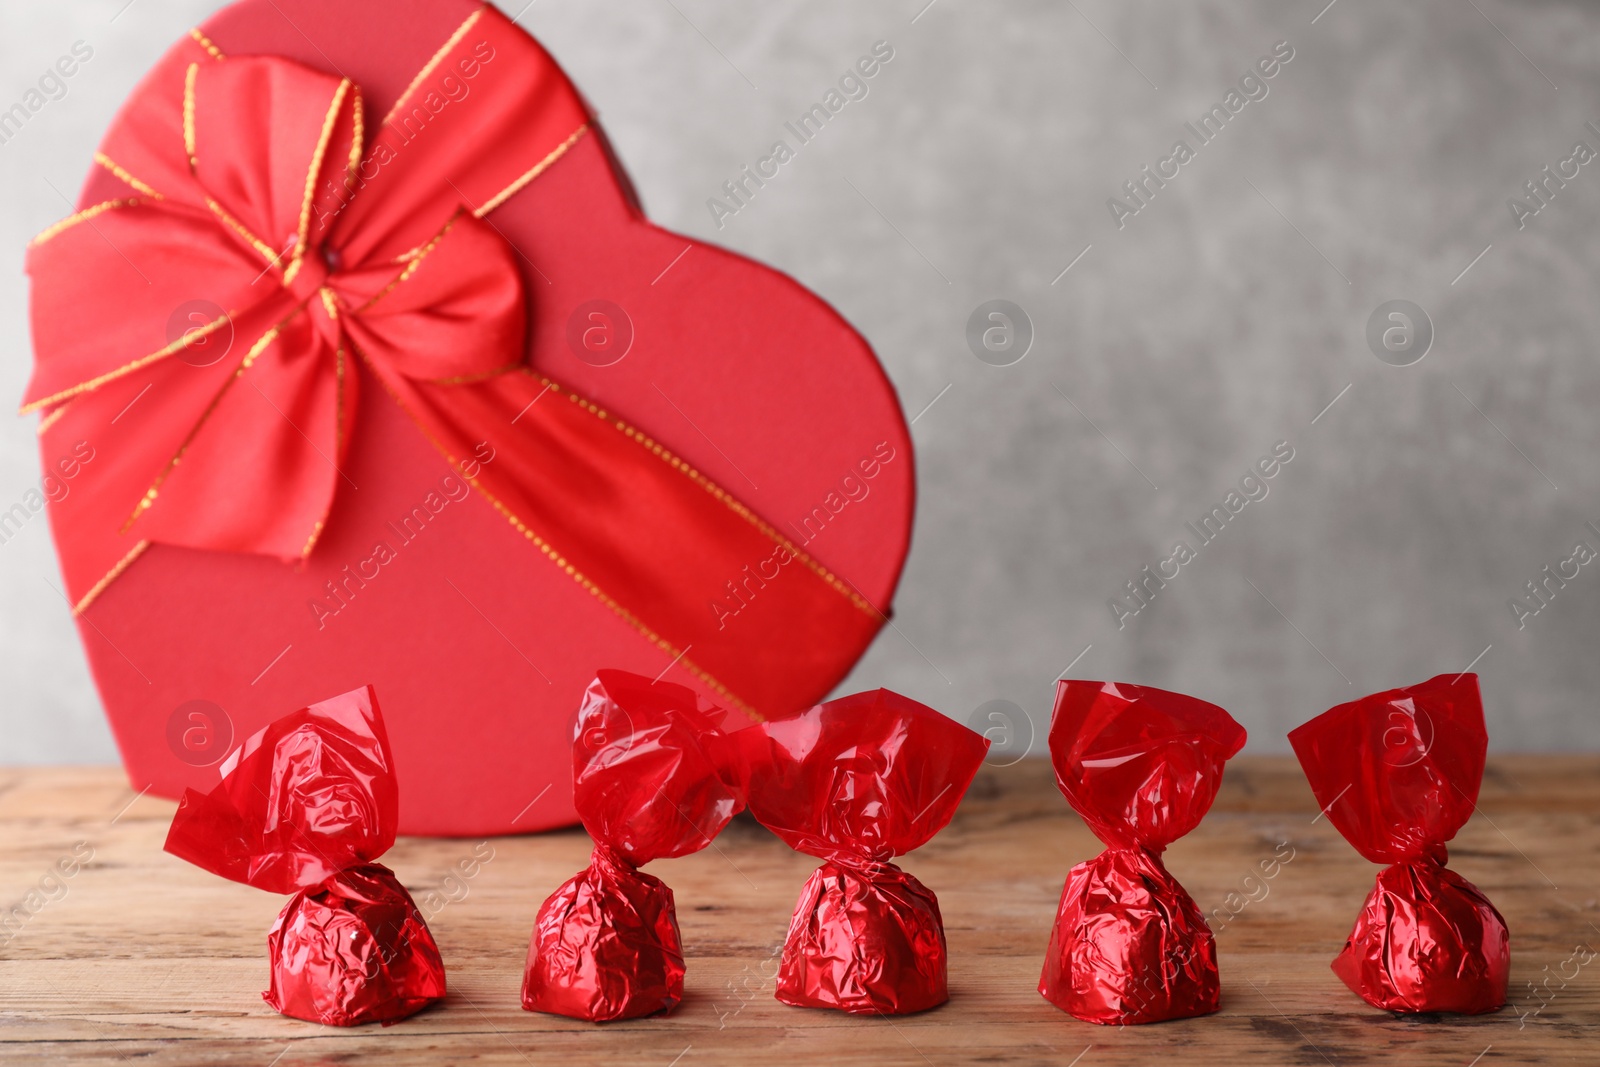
474	429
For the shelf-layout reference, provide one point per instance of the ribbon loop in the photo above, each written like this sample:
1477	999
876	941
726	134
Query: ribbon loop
266	139
454	312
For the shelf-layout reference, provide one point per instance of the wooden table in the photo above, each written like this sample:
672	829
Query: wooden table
142	959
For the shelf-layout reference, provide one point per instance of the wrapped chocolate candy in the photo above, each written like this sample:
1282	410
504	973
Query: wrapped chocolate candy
1142	767
856	782
652	779
306	806
1398	774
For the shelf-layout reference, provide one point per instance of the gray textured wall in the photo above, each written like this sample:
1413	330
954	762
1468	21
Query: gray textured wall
1220	319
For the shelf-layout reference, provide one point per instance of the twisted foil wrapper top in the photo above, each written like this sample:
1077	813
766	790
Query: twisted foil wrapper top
856	782
1142	767
306	806
653	779
1398	774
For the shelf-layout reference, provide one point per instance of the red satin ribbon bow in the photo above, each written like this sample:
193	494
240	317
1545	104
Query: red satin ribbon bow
261	192
258	196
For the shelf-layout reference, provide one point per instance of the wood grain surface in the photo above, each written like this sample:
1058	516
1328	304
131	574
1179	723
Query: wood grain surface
138	958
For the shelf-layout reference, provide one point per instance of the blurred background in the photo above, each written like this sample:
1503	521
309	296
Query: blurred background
1352	284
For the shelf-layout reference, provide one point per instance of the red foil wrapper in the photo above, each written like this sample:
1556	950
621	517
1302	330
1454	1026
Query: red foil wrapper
1398	774
1142	767
304	807
653	779
856	782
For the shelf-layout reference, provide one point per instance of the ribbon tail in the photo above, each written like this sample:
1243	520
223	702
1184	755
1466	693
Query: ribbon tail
695	571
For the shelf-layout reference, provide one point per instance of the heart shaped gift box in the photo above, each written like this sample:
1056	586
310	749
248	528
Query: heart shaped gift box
369	370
